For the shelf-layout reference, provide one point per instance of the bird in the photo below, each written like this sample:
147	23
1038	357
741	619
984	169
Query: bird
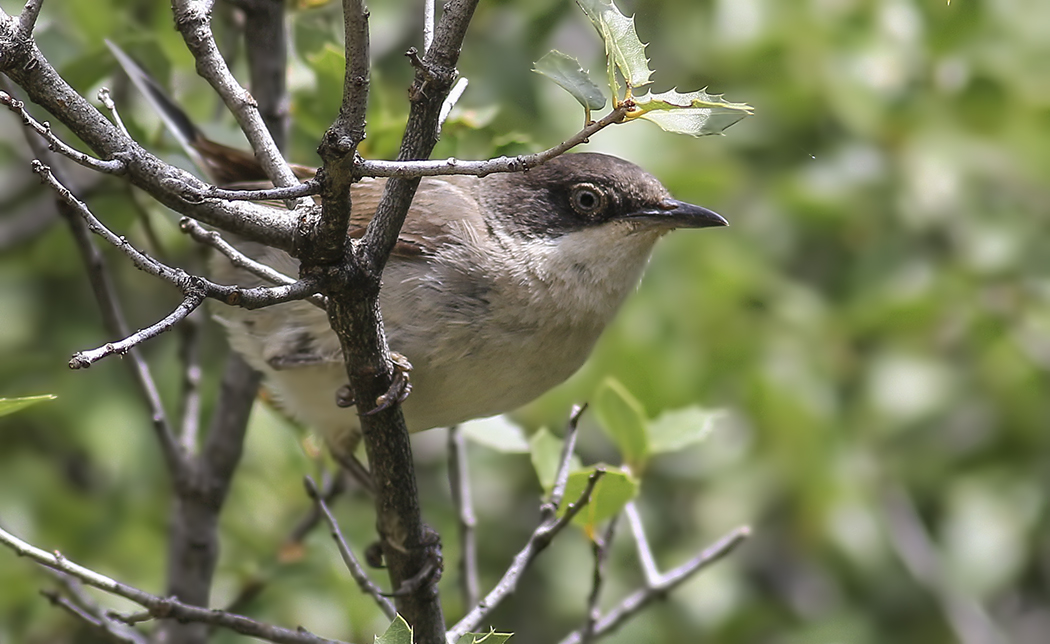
496	291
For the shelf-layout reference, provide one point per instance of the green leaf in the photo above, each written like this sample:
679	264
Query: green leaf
695	113
11	405
623	419
677	429
399	632
611	493
496	433
545	449
623	49
567	72
492	637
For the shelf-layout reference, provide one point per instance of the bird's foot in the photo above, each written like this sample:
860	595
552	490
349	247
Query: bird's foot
399	388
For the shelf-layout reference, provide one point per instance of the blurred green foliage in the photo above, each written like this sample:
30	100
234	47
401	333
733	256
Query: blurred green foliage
876	323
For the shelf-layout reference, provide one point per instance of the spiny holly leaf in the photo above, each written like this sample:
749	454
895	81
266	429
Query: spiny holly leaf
566	71
545	449
611	493
623	419
399	632
492	637
695	113
623	49
11	405
677	429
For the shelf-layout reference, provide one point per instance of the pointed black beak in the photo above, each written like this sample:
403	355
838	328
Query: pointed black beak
679	214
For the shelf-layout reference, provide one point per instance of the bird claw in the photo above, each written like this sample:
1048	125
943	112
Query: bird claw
399	388
430	573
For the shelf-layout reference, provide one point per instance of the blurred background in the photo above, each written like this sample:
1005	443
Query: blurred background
876	324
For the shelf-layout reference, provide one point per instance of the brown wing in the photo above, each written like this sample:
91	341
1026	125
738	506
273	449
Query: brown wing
422	232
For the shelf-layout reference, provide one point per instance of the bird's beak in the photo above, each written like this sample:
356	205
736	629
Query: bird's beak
679	214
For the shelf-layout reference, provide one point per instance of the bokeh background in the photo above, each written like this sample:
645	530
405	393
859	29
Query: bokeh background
876	324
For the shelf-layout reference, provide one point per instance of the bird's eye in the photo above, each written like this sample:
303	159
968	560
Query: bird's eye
587	199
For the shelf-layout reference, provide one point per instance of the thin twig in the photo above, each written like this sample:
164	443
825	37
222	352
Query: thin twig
106	99
453	97
212	238
358	573
459	483
428	24
561	476
55	144
600	549
84	359
331	487
188	284
540	539
642	597
645	553
429	168
162	607
304	189
83	607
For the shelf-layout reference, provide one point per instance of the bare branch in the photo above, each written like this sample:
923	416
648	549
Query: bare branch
428	24
641	542
539	540
212	238
55	144
358	573
84	359
407	169
106	99
191	286
304	189
161	607
193	20
636	601
85	608
453	98
267	48
459	483
561	477
600	549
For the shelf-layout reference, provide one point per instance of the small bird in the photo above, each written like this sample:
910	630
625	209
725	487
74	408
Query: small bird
496	291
